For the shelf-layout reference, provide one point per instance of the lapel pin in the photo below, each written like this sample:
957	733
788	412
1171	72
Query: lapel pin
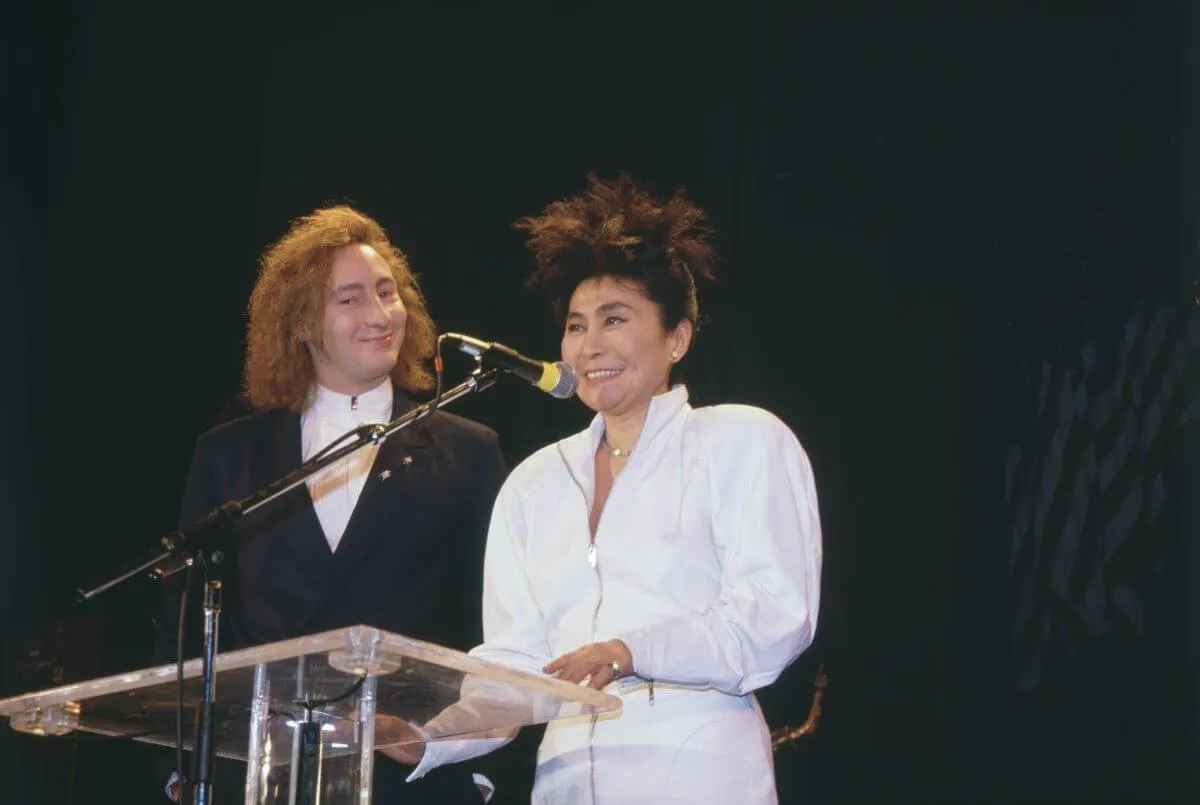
406	461
383	476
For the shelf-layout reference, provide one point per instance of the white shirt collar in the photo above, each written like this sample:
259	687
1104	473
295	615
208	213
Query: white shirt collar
352	410
663	408
579	450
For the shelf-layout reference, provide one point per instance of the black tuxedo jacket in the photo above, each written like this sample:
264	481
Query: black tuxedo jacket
410	560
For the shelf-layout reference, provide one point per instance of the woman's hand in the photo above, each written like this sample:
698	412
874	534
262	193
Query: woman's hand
593	664
390	728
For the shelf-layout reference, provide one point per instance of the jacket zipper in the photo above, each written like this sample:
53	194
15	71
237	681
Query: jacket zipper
593	561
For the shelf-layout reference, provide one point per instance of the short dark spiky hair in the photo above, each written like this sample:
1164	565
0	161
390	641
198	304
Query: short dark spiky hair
617	229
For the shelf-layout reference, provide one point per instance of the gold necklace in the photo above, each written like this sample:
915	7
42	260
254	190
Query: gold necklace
616	452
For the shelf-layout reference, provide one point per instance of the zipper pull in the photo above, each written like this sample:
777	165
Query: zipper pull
591	554
651	685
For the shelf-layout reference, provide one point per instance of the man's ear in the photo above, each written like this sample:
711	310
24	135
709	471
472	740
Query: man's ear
304	334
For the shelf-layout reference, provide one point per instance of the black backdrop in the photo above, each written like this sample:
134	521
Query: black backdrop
892	191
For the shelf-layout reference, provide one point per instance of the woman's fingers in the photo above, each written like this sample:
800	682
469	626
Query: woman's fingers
592	663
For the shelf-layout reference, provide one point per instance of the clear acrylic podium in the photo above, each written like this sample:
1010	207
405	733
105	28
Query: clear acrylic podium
316	705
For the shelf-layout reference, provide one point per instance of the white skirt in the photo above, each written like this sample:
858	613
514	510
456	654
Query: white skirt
688	747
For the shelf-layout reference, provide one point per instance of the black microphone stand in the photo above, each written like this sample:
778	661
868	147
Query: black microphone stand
207	542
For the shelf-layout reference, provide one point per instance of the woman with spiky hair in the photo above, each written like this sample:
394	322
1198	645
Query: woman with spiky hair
669	555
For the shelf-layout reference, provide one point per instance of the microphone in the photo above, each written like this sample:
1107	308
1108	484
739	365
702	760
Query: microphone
556	379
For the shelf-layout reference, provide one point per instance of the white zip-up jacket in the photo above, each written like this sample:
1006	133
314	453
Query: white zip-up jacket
706	563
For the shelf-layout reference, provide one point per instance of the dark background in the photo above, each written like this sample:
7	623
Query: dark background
916	208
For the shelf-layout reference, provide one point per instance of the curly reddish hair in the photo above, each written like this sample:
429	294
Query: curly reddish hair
288	302
617	229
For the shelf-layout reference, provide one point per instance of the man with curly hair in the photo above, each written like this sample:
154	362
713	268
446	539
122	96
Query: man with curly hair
392	537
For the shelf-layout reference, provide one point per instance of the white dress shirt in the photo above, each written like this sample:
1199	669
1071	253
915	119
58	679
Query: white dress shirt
706	563
336	489
329	415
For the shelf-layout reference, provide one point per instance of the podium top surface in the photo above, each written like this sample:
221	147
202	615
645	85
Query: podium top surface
319	676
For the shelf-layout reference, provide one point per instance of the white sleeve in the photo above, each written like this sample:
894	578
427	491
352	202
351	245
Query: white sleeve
767	533
455	750
483	782
513	628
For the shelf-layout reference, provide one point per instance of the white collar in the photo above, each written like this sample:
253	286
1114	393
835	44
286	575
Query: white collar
579	450
346	409
662	408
